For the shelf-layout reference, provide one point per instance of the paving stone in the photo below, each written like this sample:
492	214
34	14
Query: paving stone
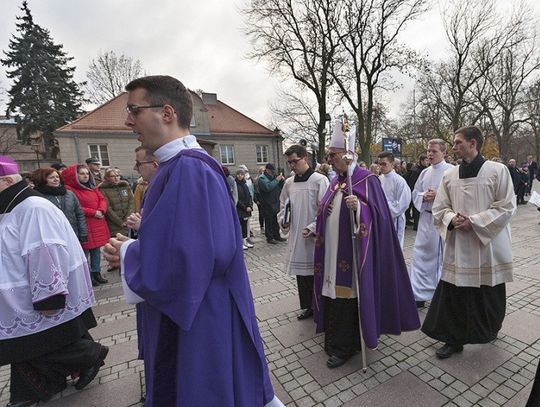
114	327
523	326
520	399
474	363
275	308
316	366
515	287
267	289
279	390
122	392
121	353
108	292
296	332
407	338
257	275
112	308
402	390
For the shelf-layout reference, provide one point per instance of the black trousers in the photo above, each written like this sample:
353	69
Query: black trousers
342	332
44	376
261	215
305	291
520	193
271	227
243	225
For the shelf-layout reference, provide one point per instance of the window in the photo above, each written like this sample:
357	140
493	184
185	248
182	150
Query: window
262	154
101	152
226	153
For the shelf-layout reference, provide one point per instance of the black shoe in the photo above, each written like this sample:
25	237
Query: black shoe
305	315
95	283
335	361
448	350
27	403
100	279
89	374
280	239
420	304
271	241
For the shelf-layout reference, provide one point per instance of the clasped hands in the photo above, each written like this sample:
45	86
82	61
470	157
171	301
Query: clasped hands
429	195
112	249
461	222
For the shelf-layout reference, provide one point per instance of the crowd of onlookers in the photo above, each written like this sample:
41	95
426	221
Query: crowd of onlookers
97	204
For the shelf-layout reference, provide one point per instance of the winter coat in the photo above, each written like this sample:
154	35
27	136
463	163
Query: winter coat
68	203
91	201
244	200
119	205
269	192
138	194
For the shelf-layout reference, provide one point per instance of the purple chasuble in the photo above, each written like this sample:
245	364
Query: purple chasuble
201	341
386	300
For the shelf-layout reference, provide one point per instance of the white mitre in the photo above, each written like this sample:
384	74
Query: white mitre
339	136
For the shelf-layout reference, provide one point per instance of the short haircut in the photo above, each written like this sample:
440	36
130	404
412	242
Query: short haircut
148	154
387	154
166	90
110	170
440	142
297	149
39	176
470	133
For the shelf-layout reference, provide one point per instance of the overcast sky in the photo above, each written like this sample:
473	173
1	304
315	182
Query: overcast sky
199	42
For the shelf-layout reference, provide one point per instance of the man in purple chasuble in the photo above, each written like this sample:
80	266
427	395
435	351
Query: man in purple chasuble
202	346
384	296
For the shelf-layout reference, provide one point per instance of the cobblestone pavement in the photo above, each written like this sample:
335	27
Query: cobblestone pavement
403	371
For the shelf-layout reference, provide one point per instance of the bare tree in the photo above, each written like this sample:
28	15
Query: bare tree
476	42
369	50
297	113
8	137
532	111
108	75
294	37
501	92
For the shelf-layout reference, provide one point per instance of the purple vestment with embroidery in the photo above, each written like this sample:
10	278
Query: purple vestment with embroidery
386	301
201	342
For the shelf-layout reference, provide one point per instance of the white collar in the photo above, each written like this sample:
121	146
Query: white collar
172	148
439	165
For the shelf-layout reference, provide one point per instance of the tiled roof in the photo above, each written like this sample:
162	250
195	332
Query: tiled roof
225	119
110	116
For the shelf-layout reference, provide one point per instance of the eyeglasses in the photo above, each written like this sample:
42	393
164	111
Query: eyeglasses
134	109
139	163
291	162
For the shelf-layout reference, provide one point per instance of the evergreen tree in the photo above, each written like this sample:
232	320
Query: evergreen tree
44	95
